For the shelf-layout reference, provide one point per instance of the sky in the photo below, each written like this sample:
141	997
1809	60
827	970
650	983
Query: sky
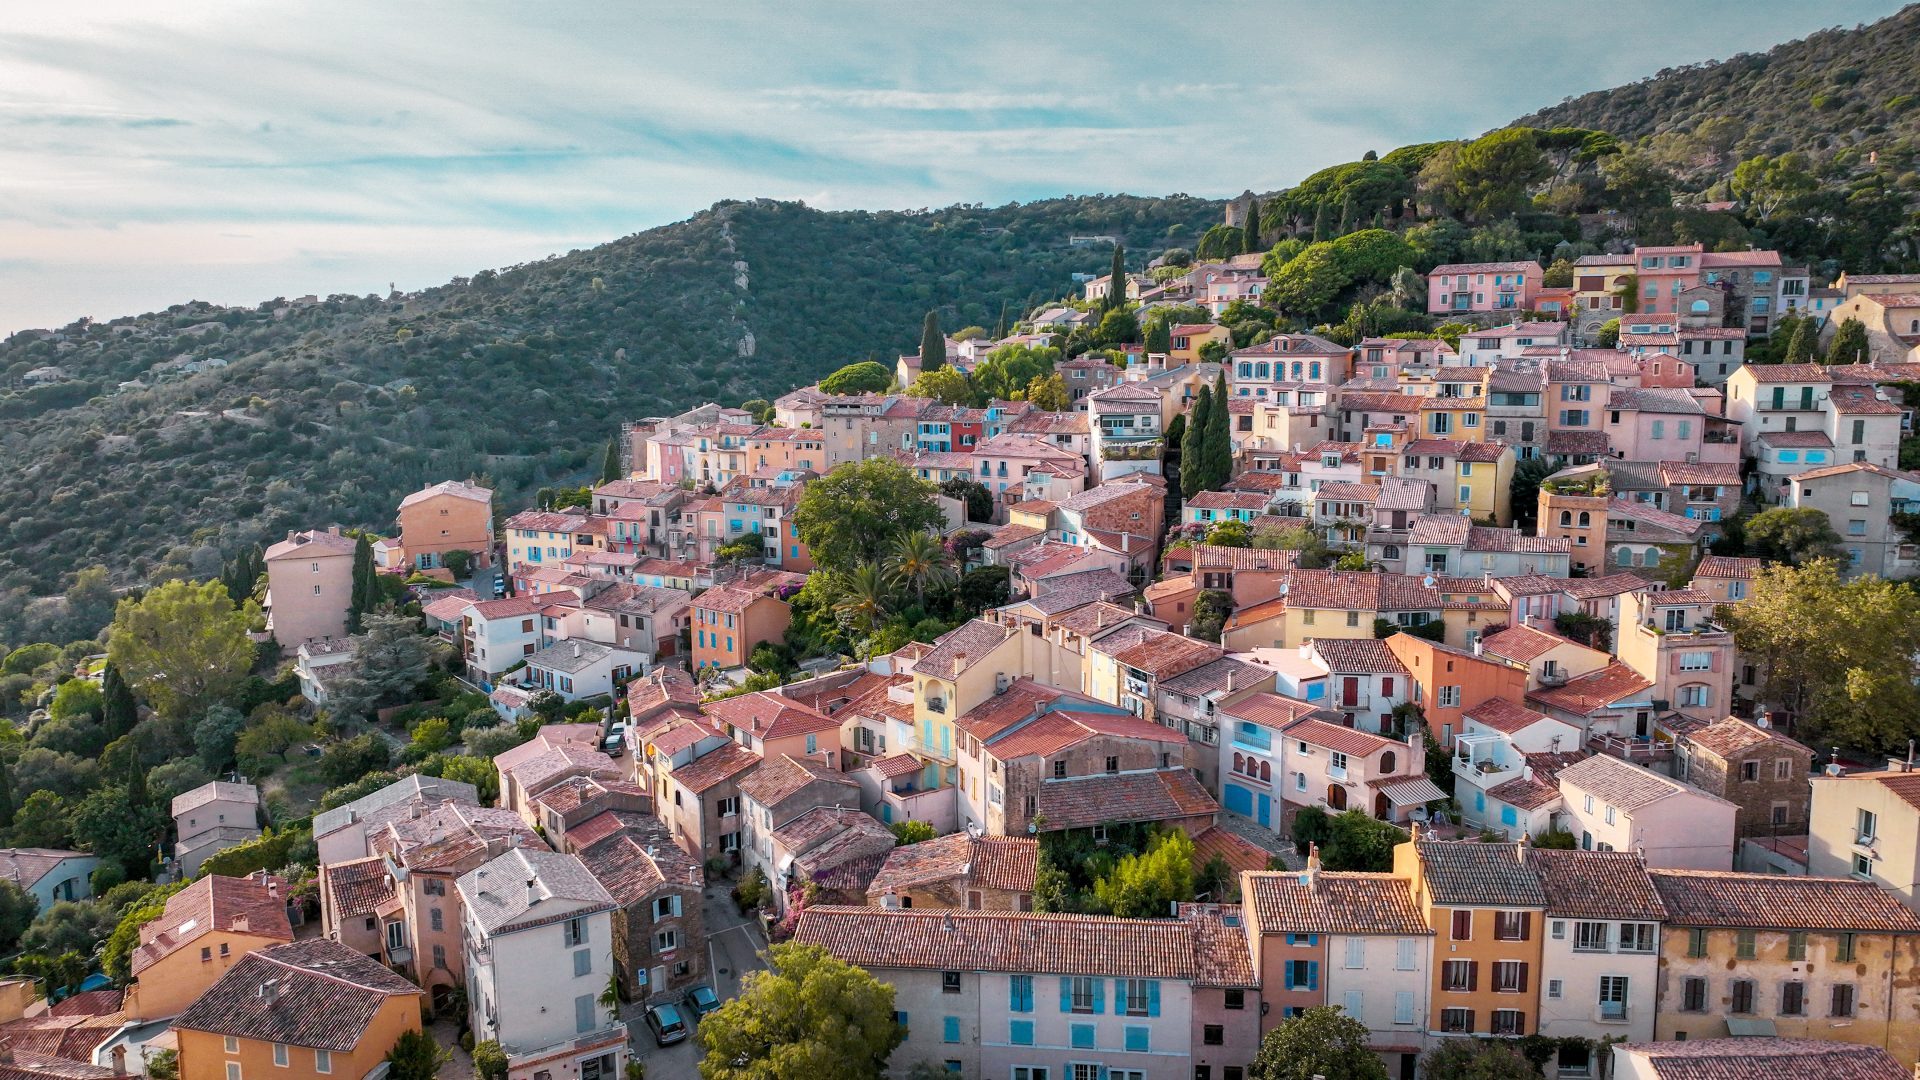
154	152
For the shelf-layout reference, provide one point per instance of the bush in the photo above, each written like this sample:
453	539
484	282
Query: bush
911	832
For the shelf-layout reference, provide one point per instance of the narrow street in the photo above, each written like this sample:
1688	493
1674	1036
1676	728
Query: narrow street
735	946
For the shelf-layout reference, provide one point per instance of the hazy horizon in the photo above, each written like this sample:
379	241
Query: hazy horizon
233	151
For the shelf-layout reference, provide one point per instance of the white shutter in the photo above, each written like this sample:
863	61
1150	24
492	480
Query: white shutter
1406	959
1356	952
1355	1004
1403	1006
676	905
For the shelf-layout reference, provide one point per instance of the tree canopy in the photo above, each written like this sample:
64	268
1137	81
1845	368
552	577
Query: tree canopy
855	513
1320	1042
809	1016
184	645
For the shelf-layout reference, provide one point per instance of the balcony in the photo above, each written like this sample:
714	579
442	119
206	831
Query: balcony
1611	1012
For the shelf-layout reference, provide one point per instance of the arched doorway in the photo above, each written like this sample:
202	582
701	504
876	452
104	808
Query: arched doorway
1336	798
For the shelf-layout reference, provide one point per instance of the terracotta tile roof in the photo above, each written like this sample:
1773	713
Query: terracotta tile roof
1725	474
1789	373
234	905
949	940
989	862
639	860
1730	735
1522	642
1156	795
1161	653
358	887
1468	873
1066	592
1329	902
1447	530
770	715
407	789
1578	442
1488	268
1484	538
1525	792
69	1039
1022	698
1904	785
1056	731
1093	618
325	994
90	1003
1339	738
1503	715
780	778
1597	588
1272	710
1655	399
897	765
1240	854
1597	884
717	765
1485	451
1621	783
215	791
1776	902
1766	1059
602	825
1369	655
962	649
1220	946
1594	690
1210	557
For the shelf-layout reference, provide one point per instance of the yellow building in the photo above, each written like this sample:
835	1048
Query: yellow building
1187	339
205	930
1800	957
966	668
1487	910
306	1009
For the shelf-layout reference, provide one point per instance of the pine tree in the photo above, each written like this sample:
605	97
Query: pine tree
1117	281
118	712
1320	224
1800	348
1218	447
1250	241
1192	454
365	588
610	468
933	344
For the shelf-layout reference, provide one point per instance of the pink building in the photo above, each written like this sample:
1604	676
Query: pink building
1340	768
1655	424
1501	286
1664	273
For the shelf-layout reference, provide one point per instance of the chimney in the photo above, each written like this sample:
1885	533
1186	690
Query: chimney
270	991
120	1060
1895	764
1313	864
533	891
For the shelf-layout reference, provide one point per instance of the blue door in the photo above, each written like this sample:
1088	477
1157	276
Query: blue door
1239	800
1266	811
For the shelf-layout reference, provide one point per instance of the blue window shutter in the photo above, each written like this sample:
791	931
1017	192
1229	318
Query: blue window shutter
1313	974
1153	998
901	1019
1119	997
1066	994
950	1029
1099	996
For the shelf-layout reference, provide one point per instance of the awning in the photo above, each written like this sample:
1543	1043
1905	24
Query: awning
1741	1026
1415	792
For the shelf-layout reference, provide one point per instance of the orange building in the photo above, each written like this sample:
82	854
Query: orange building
1448	681
205	930
1486	909
729	620
305	1009
1576	509
449	516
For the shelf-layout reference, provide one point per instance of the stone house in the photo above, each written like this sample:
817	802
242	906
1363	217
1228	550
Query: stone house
962	870
1755	767
659	937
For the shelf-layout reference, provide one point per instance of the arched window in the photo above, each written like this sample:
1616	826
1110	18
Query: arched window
1266	772
1566	517
1701	307
1313	371
1296	371
1391	551
1586	519
1387	763
1623	556
1238	765
1651	557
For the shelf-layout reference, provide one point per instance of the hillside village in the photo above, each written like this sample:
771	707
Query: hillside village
1217	679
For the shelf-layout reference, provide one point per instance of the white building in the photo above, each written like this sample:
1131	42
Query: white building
1611	805
1600	961
539	945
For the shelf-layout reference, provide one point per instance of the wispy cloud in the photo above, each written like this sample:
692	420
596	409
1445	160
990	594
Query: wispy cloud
233	150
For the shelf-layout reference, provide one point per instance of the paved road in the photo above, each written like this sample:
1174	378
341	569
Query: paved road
735	947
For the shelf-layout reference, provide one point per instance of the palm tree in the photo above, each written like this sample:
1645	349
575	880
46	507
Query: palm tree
865	594
919	560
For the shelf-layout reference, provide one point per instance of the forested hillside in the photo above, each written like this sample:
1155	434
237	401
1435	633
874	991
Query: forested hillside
1845	93
330	412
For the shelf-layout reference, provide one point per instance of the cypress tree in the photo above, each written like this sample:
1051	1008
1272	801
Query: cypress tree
1000	328
1250	237
364	586
610	467
1117	280
1321	224
118	712
933	344
1800	348
1159	337
1849	344
6	799
1218	447
1192	453
1347	224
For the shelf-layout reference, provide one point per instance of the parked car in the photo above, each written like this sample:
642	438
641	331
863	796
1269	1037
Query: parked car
668	1027
615	742
499	585
701	1000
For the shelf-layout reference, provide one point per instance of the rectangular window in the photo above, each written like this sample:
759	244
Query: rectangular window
1591	936
1841	1006
1744	945
1138	1039
1509	1022
1456	1021
1020	993
1458	975
1693	995
1843	948
1793	998
1020	1032
1356	952
1797	945
280	1054
1696	944
1082	995
1082	1036
323	1061
1462	925
1742	997
949	982
1637	937
1512	925
582	963
1510	977
1406	954
1403	1006
950	1029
